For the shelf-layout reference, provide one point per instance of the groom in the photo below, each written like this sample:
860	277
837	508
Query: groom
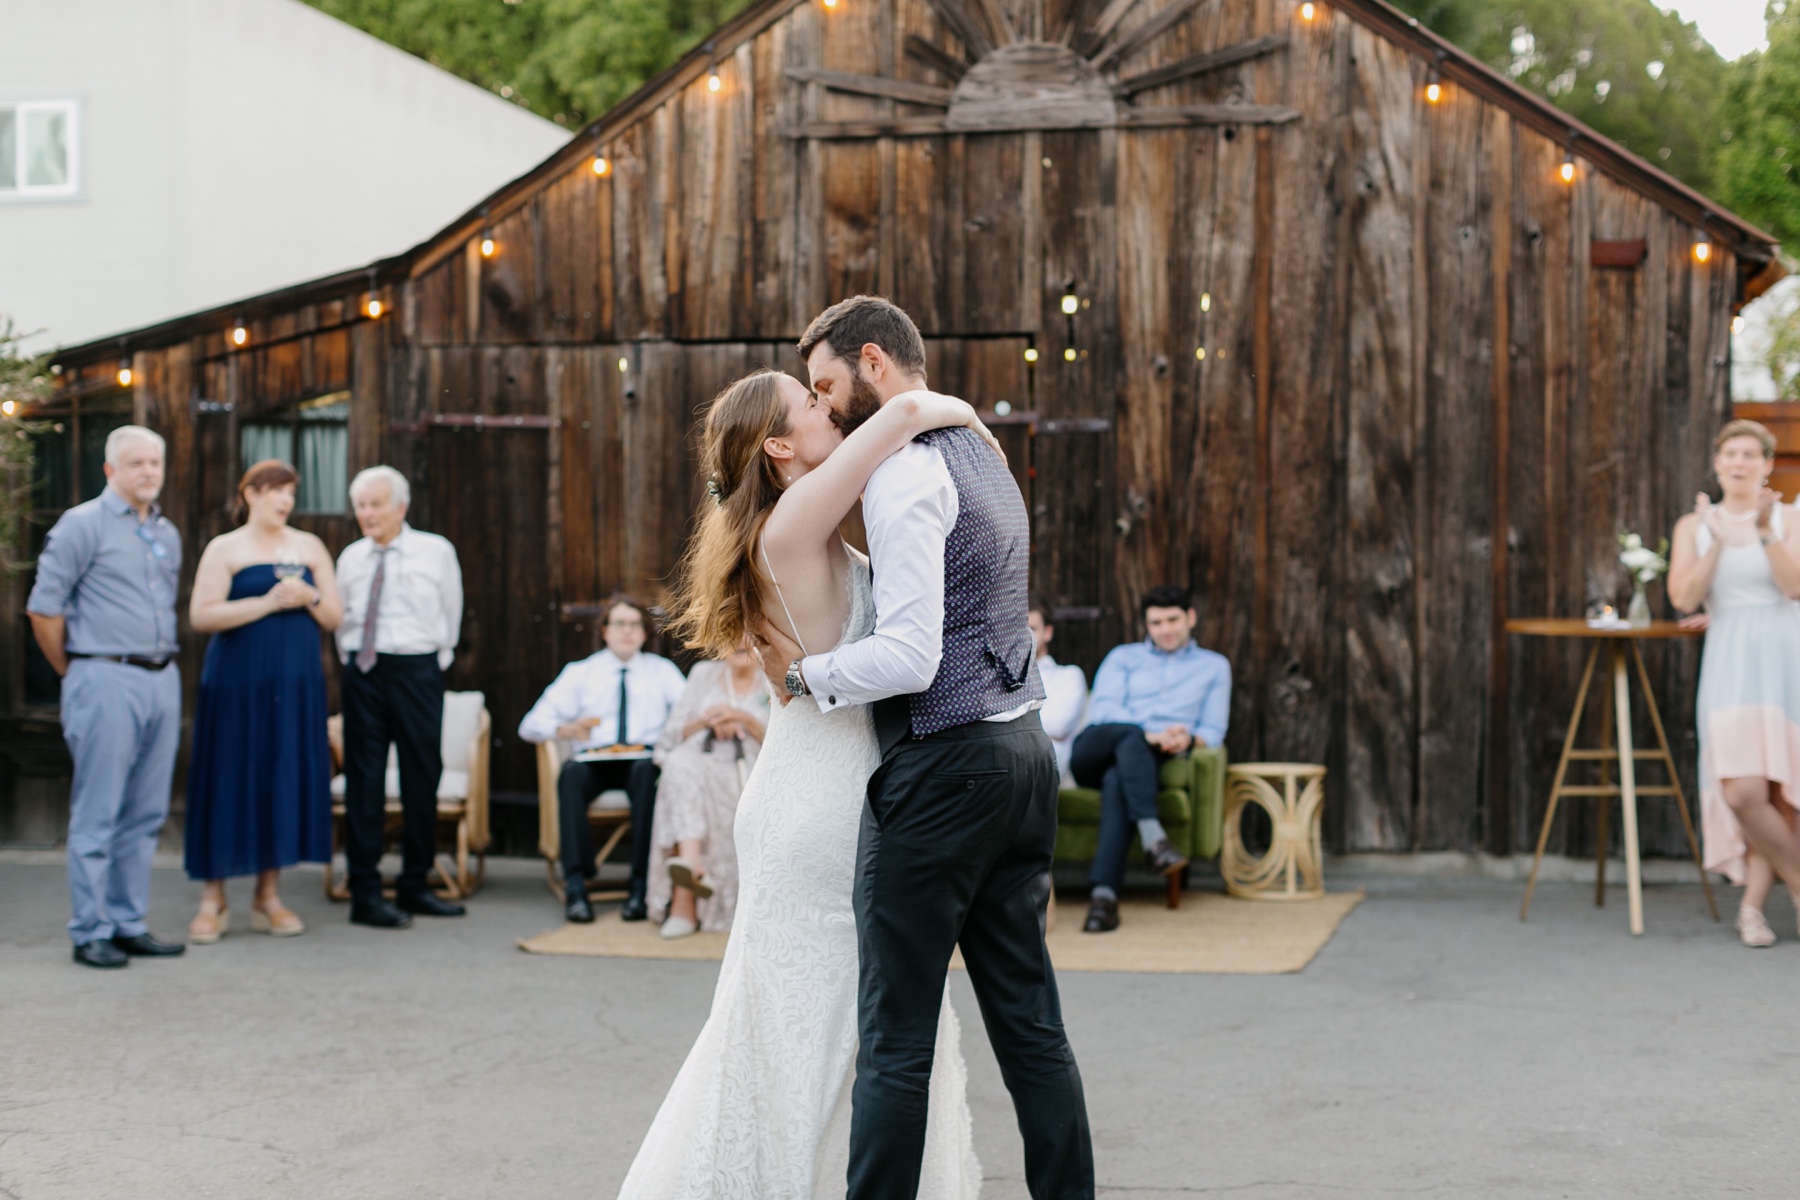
960	821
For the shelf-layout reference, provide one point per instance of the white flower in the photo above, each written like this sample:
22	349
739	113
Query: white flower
1631	541
1637	558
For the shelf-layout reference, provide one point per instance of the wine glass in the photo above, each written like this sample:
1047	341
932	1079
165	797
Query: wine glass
289	566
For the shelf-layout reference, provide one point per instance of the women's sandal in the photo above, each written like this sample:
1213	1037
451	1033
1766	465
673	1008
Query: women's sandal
681	874
280	923
1753	929
208	927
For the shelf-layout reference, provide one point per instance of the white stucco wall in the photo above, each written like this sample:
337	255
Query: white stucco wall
229	147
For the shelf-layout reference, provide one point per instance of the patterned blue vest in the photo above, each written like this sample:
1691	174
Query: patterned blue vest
989	663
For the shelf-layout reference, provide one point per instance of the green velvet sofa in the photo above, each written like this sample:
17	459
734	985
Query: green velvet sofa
1191	806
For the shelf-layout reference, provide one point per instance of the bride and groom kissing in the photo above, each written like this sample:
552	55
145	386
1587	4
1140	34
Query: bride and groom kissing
904	802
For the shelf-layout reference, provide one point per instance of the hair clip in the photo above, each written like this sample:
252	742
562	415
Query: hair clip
714	490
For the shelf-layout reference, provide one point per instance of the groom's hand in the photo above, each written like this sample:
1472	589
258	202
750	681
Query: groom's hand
776	650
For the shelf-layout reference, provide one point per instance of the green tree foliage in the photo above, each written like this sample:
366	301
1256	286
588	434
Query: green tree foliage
24	380
1759	121
568	60
1643	77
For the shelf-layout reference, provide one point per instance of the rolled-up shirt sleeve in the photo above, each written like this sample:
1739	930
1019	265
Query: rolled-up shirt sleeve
909	508
69	550
554	708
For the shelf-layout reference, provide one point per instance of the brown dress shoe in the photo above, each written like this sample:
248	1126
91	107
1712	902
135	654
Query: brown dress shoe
1163	859
1103	915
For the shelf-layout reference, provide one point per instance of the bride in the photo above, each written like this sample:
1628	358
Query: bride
760	1110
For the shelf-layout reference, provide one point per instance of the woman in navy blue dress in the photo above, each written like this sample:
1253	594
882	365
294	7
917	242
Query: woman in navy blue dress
259	785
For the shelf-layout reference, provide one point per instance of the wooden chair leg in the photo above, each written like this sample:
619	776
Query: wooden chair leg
1174	889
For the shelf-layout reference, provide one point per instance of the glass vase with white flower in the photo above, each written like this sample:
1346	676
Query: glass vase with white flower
1645	566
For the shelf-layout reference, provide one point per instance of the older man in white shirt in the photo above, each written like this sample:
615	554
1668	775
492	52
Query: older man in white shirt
403	601
615	700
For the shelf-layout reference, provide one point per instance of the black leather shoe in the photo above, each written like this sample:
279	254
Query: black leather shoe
576	906
144	946
1163	859
427	904
1103	915
101	954
378	914
634	909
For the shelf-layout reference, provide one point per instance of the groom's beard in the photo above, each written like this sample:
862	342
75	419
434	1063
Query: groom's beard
864	403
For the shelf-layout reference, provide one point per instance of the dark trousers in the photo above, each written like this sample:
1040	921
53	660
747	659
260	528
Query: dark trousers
577	785
955	847
1117	760
399	702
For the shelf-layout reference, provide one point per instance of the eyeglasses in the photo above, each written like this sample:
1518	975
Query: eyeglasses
624	624
147	535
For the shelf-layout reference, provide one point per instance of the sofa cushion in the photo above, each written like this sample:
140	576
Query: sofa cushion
1081	806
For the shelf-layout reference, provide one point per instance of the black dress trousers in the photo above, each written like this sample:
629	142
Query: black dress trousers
400	702
956	844
577	785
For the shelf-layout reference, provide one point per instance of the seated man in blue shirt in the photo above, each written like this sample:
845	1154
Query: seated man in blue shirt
1152	700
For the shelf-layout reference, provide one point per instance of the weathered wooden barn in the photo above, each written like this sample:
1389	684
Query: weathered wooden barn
1293	302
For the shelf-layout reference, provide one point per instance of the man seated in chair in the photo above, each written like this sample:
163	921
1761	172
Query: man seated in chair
620	698
1152	700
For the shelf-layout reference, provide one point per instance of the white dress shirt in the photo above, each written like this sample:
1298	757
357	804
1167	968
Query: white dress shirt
1065	703
421	596
590	688
909	508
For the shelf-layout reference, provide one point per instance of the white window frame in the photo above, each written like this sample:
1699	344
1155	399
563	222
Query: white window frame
25	192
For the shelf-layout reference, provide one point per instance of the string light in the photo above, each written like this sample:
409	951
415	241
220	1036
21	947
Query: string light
1070	304
601	166
1200	354
6	408
1031	354
1069	354
1567	170
124	373
1308	11
1434	88
713	82
373	308
623	365
1205	301
488	246
1702	248
830	3
239	335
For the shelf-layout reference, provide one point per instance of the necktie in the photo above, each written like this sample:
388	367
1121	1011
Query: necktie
365	655
622	740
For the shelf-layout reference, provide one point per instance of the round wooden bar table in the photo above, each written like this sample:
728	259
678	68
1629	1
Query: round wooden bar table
1618	642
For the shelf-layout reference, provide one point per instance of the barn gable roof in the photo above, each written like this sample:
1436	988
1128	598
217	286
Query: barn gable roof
1454	65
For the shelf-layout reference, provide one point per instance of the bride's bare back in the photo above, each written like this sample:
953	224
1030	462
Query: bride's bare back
812	603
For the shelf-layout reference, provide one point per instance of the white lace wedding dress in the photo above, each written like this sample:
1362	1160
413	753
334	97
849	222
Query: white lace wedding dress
761	1108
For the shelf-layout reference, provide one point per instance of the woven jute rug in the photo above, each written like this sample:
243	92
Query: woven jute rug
1210	934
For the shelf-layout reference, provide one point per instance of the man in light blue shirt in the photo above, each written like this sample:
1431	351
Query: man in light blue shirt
103	612
1152	700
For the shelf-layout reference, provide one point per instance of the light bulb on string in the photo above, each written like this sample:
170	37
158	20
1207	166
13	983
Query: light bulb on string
6	408
624	365
124	372
1702	248
488	246
1071	304
1200	354
1205	301
602	168
829	3
373	308
713	82
1031	354
1434	87
1308	11
239	335
1069	354
1567	170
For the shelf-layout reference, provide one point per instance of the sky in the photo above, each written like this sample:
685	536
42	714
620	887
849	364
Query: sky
1734	27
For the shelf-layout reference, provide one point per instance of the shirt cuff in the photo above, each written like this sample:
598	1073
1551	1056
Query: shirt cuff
816	668
445	657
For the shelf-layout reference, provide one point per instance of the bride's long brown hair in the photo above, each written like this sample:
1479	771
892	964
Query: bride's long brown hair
717	598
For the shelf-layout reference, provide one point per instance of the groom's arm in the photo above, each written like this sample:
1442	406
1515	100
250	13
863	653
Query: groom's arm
909	508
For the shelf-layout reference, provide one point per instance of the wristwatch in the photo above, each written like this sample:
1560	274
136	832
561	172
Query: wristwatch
796	683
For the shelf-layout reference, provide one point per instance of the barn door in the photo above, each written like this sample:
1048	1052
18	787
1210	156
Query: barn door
485	488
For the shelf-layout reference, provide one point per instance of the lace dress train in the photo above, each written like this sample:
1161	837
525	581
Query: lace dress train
760	1109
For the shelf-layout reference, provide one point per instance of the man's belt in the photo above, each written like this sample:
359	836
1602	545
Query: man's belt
130	660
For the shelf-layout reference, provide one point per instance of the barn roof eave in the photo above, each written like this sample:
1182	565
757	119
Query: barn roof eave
1747	241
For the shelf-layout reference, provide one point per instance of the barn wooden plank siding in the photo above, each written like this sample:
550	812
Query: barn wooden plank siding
1339	356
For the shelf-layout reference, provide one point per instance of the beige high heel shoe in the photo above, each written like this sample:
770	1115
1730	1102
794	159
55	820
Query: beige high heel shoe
207	928
280	923
681	874
1753	928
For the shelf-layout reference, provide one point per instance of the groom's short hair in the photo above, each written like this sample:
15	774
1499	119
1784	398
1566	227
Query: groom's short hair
849	325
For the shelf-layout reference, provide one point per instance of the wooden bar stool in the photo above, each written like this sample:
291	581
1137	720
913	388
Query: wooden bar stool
1293	794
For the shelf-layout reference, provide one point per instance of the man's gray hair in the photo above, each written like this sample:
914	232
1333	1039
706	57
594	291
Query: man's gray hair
398	488
124	435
